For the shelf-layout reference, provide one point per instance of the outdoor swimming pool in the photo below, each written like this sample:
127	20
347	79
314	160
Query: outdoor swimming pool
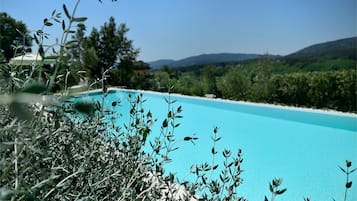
303	147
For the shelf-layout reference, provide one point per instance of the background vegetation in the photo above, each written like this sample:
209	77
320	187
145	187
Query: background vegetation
318	83
12	34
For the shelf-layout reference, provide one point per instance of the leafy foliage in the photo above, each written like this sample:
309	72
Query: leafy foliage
58	159
13	34
110	45
272	81
223	187
47	155
273	187
347	171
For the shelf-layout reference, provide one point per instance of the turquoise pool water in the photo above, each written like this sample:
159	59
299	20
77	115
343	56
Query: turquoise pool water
303	147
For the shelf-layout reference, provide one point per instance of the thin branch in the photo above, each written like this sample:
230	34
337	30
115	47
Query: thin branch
131	181
16	167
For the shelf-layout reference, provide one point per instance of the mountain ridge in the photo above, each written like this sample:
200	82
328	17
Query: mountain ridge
203	59
341	48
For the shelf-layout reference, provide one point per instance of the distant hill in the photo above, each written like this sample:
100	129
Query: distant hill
159	63
343	48
203	59
338	49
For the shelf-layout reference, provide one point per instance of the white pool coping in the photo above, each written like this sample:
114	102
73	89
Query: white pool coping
268	105
274	106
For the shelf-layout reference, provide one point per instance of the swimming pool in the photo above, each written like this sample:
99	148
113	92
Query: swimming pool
303	147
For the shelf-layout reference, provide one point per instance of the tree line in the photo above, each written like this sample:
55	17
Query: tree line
93	53
267	80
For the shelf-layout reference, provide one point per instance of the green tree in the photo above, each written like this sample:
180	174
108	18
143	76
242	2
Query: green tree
162	80
189	84
12	32
327	89
75	50
259	90
347	90
208	79
90	56
2	57
234	84
112	47
74	61
289	89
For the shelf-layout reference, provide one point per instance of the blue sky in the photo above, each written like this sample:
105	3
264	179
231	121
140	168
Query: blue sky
174	29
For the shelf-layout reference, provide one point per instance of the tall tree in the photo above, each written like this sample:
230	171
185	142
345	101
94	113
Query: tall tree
112	47
74	62
12	32
77	48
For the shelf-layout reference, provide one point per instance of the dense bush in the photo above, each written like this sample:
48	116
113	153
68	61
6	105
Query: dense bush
234	85
330	89
48	156
333	89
